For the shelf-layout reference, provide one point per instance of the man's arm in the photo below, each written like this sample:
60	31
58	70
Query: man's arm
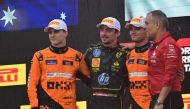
129	46
171	57
35	73
83	68
164	93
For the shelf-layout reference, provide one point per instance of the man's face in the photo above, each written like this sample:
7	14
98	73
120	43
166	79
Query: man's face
57	37
138	34
108	35
151	27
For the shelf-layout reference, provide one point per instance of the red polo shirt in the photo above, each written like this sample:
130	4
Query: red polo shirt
164	62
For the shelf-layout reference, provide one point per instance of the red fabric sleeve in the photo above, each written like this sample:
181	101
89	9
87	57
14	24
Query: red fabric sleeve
171	58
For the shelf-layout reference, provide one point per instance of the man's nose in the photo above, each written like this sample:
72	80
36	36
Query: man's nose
145	26
132	31
103	33
52	34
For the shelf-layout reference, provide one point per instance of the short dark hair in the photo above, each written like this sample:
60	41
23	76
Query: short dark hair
159	16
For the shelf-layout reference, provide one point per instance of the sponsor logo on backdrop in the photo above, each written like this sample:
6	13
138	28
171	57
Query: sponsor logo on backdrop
186	100
186	58
185	48
12	75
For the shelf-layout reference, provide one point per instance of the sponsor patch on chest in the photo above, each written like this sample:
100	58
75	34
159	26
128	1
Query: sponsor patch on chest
95	62
131	61
141	61
65	62
51	62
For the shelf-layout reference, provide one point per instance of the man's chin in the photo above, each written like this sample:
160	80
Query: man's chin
151	38
55	44
134	39
105	43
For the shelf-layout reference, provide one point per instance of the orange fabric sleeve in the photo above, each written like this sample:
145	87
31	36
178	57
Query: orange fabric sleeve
83	68
35	73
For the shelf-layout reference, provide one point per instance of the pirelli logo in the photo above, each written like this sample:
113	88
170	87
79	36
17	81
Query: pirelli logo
12	75
186	100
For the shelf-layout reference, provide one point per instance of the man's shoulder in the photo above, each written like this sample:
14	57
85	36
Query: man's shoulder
39	54
73	50
169	41
123	49
42	50
93	46
169	44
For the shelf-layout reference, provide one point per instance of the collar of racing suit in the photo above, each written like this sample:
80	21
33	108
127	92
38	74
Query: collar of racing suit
142	48
155	43
110	49
58	50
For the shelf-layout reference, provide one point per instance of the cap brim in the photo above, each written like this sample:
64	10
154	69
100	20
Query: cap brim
99	25
46	29
128	25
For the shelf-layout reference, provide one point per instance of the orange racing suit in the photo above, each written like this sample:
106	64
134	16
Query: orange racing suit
137	65
52	78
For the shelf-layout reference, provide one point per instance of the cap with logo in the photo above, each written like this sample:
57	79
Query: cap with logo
56	24
137	22
111	23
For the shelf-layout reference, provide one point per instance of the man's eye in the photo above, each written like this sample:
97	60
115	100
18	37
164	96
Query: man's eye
49	32
146	23
56	31
109	29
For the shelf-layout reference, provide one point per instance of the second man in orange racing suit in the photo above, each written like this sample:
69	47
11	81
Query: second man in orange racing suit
137	64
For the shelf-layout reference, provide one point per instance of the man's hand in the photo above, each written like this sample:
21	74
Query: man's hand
181	74
43	107
128	46
160	106
34	108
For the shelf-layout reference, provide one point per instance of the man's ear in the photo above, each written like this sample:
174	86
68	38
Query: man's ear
158	24
66	33
118	33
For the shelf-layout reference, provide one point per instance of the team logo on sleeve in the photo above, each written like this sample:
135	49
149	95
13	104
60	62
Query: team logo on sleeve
96	52
103	79
171	51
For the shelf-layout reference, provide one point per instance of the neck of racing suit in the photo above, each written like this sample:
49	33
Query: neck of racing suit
142	48
59	50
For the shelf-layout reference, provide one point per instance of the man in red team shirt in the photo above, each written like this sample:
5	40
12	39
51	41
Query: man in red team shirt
164	64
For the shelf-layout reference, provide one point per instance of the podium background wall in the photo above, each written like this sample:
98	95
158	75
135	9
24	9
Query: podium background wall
18	47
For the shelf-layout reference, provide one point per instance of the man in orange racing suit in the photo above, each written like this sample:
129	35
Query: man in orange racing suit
137	64
52	77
